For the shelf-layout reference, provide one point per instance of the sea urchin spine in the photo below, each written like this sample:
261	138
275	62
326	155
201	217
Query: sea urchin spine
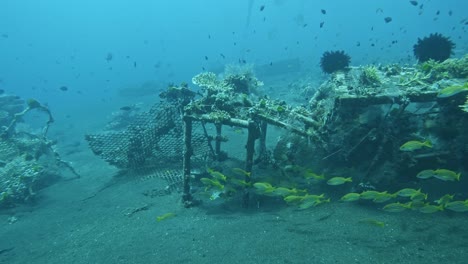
435	47
333	61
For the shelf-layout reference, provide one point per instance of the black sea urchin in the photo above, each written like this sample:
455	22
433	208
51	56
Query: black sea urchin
435	47
333	61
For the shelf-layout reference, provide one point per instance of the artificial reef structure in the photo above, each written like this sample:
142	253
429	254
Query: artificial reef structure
230	141
29	161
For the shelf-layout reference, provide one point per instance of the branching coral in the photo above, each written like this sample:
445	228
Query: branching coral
370	76
448	69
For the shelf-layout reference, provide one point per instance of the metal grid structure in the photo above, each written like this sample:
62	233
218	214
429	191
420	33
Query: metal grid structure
152	145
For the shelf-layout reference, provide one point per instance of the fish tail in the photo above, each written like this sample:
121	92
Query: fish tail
458	176
428	143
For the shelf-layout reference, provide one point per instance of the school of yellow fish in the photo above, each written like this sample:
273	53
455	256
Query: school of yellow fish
404	199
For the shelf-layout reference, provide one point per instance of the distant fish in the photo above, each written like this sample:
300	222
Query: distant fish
321	24
134	64
305	25
323	11
425	174
109	57
373	222
63	88
206	57
438	12
126	108
222	55
338	180
2	91
262	7
388	19
450	12
415	3
165	216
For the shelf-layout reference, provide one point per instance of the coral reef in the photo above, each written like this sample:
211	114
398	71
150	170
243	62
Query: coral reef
448	69
28	161
434	47
231	94
370	76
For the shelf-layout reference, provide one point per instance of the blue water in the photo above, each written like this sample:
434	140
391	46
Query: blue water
75	56
50	43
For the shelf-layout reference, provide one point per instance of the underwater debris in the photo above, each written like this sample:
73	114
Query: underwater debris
436	47
333	61
28	160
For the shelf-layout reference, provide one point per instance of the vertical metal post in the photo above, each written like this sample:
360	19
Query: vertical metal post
263	155
187	198
250	146
219	138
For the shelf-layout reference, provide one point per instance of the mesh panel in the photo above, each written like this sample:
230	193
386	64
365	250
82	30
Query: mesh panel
152	146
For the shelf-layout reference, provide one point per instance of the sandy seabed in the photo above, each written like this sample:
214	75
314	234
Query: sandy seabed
95	219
